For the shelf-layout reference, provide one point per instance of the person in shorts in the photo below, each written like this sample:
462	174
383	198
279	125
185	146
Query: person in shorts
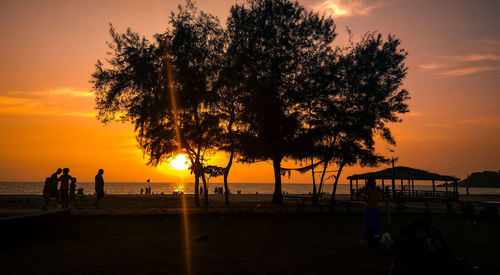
72	188
65	178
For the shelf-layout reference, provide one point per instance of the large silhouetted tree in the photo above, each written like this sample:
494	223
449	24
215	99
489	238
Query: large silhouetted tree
272	44
367	94
164	88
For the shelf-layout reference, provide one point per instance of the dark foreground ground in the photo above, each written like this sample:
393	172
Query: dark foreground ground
295	243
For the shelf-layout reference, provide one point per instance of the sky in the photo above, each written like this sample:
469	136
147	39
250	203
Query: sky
49	50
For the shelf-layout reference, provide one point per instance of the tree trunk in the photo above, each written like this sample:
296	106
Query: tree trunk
226	174
196	190
230	162
278	195
332	200
325	165
314	194
205	194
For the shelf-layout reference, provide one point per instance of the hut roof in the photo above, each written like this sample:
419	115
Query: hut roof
406	173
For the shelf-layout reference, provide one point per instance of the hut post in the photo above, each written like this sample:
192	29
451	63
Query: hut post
446	189
433	188
413	186
357	188
409	190
350	193
402	189
393	181
383	190
456	189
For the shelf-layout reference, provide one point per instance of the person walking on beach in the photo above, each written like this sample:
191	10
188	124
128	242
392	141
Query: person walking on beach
371	218
54	179
99	187
64	189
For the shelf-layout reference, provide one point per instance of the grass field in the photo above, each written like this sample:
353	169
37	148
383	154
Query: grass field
231	244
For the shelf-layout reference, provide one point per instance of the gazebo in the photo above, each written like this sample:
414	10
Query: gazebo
402	174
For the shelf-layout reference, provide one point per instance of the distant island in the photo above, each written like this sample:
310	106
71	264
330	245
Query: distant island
482	179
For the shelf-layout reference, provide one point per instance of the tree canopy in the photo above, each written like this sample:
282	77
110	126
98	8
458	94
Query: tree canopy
271	86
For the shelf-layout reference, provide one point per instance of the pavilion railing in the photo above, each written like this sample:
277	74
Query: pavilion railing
412	195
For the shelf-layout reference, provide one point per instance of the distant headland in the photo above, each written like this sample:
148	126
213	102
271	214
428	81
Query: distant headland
482	179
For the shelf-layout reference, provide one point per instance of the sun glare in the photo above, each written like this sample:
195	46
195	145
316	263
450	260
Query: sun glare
180	162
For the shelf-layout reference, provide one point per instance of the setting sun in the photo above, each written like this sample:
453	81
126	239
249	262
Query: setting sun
180	162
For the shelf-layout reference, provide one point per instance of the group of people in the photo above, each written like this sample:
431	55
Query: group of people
64	193
218	190
417	240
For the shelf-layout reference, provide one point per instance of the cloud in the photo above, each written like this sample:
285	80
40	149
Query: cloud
59	102
431	66
58	91
468	71
466	64
490	45
414	114
485	120
476	57
345	8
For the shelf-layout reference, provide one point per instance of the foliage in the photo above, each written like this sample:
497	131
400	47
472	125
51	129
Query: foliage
272	44
164	87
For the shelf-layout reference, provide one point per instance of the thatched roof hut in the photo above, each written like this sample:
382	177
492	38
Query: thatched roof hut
408	174
404	173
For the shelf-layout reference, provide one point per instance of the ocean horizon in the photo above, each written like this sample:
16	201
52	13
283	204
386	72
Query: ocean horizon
131	188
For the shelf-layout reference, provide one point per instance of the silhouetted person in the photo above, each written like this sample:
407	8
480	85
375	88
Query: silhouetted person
410	254
142	190
467	190
65	178
46	193
371	218
99	187
72	187
54	179
201	190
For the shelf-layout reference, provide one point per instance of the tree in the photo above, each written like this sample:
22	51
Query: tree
368	95
164	88
272	43
229	108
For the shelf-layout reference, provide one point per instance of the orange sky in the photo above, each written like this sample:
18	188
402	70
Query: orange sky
49	48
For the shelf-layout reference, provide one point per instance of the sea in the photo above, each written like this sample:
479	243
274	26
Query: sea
132	188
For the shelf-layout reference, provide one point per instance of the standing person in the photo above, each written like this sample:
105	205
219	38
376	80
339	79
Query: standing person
371	218
99	187
65	178
46	193
72	187
54	179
